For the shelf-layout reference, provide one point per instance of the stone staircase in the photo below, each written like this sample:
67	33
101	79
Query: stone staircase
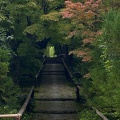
55	98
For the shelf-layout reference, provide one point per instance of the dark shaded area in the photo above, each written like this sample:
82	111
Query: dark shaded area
43	44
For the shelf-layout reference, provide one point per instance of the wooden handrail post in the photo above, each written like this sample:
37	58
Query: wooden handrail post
38	73
30	100
28	107
32	96
67	71
35	81
18	117
77	93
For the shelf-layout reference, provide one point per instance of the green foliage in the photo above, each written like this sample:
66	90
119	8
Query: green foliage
87	114
37	30
8	91
7	109
27	31
52	16
111	4
55	4
105	70
110	42
27	116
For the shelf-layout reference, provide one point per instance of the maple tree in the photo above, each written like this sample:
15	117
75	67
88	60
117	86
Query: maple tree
84	17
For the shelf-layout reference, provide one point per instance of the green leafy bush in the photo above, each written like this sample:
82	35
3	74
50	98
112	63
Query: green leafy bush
87	114
8	90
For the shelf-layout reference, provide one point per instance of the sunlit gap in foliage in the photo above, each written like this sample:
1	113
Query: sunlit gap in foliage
50	51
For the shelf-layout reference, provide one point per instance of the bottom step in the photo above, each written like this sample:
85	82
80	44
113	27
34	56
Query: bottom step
39	116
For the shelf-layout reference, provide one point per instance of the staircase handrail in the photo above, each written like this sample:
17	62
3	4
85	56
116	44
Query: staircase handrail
23	108
39	71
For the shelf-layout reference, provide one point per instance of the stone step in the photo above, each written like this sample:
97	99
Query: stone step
38	116
55	91
53	67
54	64
53	73
53	70
57	112
56	106
56	79
53	60
60	77
56	99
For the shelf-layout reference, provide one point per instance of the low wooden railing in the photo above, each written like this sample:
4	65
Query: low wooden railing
23	108
100	114
78	91
39	73
67	70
